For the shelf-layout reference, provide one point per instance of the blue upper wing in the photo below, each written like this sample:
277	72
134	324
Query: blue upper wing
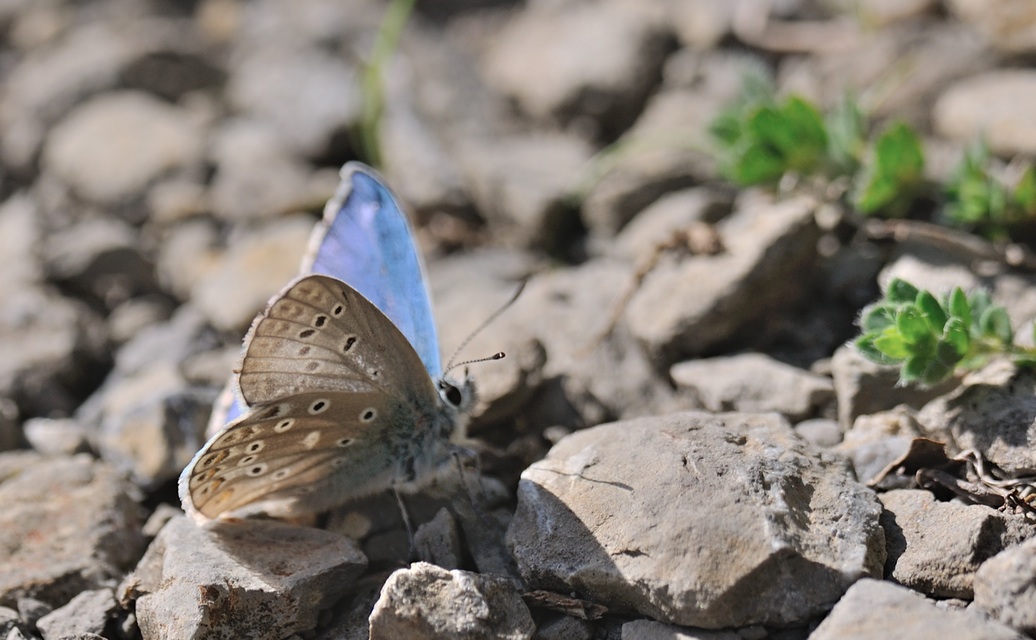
366	241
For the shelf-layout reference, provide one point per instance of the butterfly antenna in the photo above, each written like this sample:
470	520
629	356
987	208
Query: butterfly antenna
493	316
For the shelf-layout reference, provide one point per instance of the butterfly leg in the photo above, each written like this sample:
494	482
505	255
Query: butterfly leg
412	550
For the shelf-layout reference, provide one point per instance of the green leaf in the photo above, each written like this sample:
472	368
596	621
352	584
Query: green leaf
955	333
912	326
845	130
927	371
931	310
978	302
876	317
996	323
959	306
758	164
899	290
891	344
865	345
893	173
1025	192
913	369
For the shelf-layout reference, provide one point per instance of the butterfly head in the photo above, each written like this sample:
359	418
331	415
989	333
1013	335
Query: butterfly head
457	396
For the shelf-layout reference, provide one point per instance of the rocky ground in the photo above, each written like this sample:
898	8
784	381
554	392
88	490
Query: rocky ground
712	464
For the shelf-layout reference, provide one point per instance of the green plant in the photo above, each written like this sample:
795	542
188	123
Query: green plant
892	177
930	338
761	140
371	89
979	199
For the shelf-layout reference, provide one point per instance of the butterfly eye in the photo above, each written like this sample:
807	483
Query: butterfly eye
451	393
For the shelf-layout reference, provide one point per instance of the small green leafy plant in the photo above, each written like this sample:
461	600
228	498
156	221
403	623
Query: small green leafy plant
759	140
979	199
930	338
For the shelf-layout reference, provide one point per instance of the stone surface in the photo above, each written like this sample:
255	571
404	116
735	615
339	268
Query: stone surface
101	260
936	547
1009	26
522	183
686	307
438	541
111	147
590	520
572	59
651	630
1005	587
254	579
878	439
753	382
306	95
67	525
991	106
251	272
88	612
992	411
257	176
873	610
863	387
426	602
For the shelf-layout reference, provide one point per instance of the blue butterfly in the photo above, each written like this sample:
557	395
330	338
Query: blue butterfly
340	390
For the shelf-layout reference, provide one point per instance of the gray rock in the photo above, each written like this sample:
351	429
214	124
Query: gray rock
66	525
100	260
87	613
438	541
8	621
135	315
651	630
257	176
1009	26
132	140
51	79
521	184
425	602
57	436
683	308
875	610
876	440
189	252
255	579
19	243
304	94
863	387
936	547
754	382
591	519
572	60
153	425
47	369
649	169
990	105
564	627
671	214
1005	587
251	271
30	610
994	412
821	432
940	52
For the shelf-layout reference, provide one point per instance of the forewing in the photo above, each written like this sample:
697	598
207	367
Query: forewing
321	334
366	240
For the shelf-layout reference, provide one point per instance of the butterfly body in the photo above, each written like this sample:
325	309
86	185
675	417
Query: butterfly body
338	398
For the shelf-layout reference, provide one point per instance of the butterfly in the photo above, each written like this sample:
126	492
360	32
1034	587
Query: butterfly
340	390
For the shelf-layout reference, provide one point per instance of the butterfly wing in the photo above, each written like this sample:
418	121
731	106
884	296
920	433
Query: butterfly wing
301	455
365	239
339	400
321	334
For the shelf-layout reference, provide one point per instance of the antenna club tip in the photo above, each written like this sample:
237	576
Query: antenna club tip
500	355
